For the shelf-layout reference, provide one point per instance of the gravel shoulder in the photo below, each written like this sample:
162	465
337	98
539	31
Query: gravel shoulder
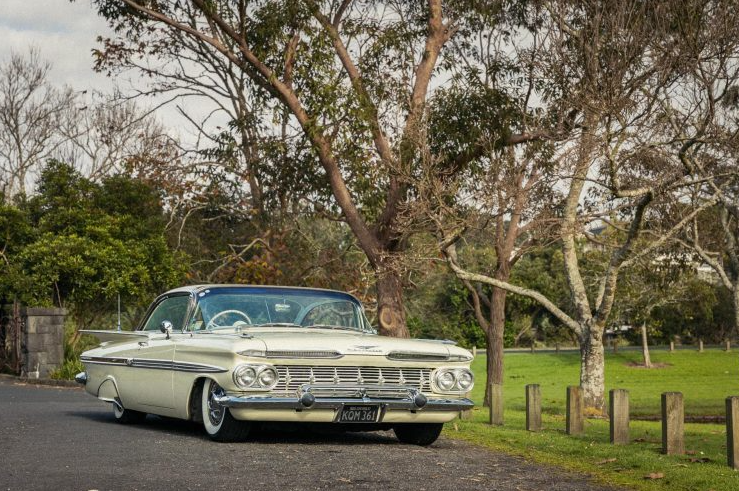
61	438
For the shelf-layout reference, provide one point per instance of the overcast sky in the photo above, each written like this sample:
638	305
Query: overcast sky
64	32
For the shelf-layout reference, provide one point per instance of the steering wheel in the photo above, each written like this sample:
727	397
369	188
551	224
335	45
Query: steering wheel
211	323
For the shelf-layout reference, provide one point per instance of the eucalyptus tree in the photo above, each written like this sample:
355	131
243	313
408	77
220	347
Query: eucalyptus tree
504	193
618	66
353	77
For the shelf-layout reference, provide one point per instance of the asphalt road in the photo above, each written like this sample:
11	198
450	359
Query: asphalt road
63	439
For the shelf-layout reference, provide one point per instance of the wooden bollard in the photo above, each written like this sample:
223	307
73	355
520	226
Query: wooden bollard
556	348
465	415
728	345
673	421
533	348
732	431
533	407
575	410
474	352
496	404
672	346
619	415
700	346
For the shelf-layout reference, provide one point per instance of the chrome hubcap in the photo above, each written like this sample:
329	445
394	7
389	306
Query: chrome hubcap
215	410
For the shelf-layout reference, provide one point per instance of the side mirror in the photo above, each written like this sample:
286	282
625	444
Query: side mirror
166	328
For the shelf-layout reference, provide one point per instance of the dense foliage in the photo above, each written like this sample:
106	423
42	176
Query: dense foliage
78	245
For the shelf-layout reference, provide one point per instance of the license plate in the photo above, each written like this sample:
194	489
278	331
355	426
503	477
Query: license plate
359	414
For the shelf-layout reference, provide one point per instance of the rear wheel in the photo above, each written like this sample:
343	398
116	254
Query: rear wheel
217	420
127	416
418	433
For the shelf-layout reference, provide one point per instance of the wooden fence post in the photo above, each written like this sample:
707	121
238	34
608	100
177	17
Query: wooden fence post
672	346
700	346
575	410
474	352
673	421
728	345
533	407
619	416
556	348
496	404
732	431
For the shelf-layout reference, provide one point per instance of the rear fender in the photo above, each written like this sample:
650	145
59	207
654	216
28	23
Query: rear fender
108	391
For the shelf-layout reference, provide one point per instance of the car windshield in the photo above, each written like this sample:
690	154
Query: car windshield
228	308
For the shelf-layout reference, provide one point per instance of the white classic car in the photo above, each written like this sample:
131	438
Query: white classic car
232	355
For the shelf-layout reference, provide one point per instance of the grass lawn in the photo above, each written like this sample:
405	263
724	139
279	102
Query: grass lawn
705	379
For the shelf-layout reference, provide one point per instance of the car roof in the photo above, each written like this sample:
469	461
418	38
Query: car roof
194	289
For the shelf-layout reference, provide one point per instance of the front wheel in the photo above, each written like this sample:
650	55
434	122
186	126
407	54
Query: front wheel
127	416
219	424
422	434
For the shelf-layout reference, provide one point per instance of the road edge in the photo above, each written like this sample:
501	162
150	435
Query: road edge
47	382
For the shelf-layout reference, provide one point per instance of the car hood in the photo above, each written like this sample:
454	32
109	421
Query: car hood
349	343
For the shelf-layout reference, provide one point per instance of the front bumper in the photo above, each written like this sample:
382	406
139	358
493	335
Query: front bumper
311	397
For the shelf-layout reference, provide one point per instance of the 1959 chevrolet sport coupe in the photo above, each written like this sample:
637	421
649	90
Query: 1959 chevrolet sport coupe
230	355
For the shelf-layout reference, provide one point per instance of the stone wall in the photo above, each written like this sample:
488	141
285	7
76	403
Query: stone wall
43	341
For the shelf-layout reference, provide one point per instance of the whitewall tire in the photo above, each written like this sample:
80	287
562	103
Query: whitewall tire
217	420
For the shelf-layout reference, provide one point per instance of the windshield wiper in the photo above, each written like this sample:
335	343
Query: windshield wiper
329	326
276	324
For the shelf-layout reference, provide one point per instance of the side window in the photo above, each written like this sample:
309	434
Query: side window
172	309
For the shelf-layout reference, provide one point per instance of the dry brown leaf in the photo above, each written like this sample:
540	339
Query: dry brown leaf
700	460
606	461
654	475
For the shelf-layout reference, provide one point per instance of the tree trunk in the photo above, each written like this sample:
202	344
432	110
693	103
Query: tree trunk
495	353
736	307
490	366
390	310
592	368
645	346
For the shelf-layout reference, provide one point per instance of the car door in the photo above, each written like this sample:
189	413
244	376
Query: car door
152	360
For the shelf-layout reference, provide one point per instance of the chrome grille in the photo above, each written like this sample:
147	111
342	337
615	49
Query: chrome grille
291	377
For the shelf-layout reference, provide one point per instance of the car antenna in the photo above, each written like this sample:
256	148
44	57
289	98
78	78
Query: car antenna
119	311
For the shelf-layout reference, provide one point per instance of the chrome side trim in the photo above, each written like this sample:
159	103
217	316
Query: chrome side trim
103	360
178	366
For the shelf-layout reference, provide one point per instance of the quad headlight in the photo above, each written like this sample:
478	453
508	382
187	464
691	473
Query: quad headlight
255	376
267	377
453	380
